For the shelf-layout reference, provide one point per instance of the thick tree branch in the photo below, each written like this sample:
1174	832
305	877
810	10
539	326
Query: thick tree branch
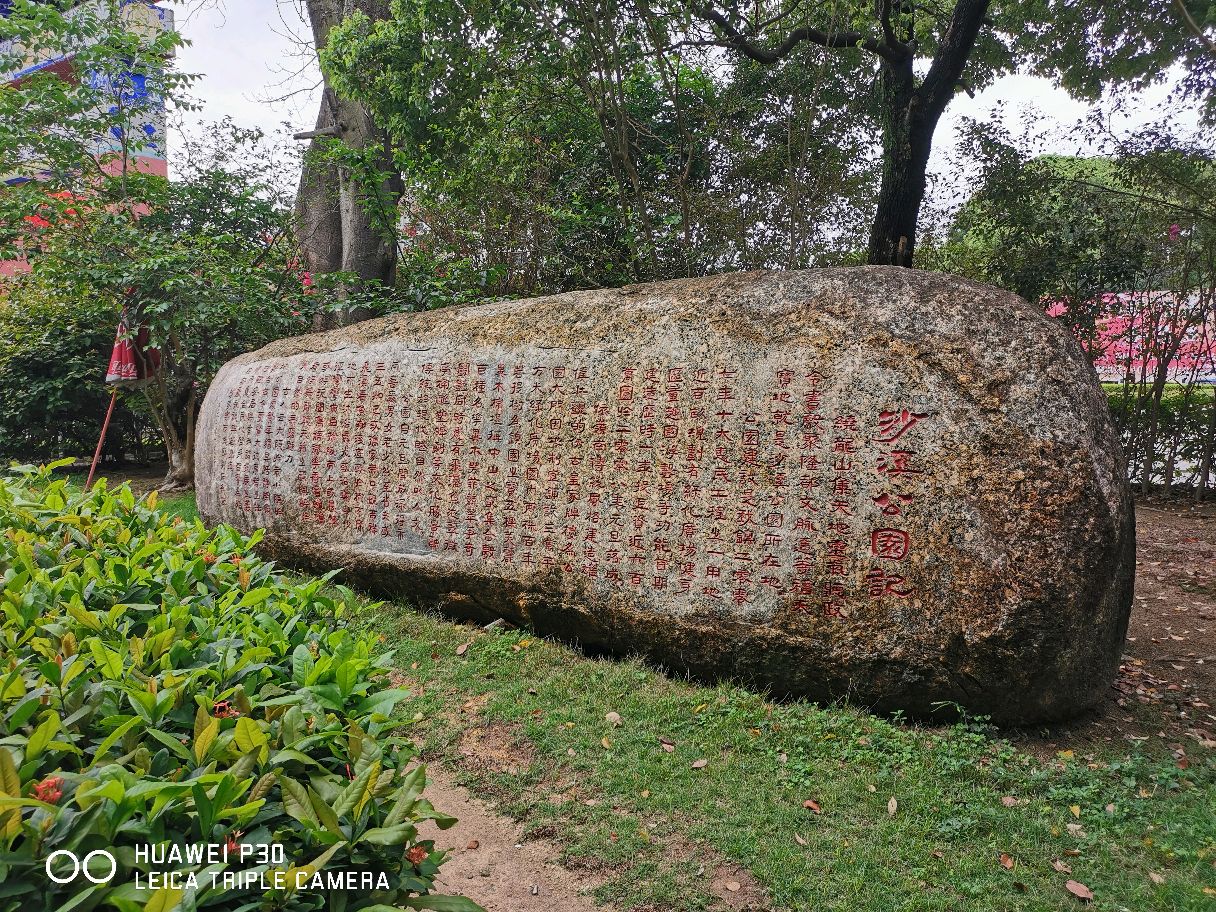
737	40
884	18
952	53
1195	26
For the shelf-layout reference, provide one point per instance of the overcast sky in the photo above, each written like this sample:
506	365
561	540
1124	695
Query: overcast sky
249	60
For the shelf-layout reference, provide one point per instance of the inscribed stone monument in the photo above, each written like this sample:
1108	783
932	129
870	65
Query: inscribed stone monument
893	486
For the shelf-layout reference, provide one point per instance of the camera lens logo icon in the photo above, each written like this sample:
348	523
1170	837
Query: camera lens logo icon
83	866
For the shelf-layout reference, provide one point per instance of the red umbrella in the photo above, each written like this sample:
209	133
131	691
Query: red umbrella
133	362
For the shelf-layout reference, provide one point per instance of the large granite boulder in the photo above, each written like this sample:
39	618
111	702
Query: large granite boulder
893	486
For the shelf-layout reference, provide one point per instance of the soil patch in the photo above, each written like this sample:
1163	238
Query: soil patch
495	864
1166	687
494	747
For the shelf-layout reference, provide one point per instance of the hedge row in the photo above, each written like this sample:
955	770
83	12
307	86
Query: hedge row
162	687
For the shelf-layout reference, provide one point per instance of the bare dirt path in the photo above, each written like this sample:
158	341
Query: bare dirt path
1167	681
494	865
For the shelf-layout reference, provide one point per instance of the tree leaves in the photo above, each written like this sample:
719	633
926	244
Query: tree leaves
249	738
205	738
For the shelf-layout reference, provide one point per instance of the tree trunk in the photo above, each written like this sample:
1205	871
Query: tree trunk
1154	425
180	476
343	224
1167	473
176	415
318	221
907	138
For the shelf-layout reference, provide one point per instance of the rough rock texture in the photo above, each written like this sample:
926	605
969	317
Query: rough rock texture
888	485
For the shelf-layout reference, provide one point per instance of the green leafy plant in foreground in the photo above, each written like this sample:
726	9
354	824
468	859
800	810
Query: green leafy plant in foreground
161	686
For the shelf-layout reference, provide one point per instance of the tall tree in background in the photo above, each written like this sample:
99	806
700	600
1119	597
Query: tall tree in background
1085	45
908	109
550	146
346	206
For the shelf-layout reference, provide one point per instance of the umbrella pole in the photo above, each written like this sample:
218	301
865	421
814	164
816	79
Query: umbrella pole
102	439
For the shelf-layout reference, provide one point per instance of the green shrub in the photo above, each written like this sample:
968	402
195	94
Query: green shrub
1183	424
162	686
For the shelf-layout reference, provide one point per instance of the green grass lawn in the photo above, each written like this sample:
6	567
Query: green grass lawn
909	818
182	505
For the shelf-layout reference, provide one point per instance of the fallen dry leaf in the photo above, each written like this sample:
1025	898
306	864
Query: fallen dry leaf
463	648
1009	801
1061	867
607	744
892	806
938	853
798	839
811	805
473	843
613	719
1079	890
700	764
1007	861
1075	810
668	744
734	886
1156	878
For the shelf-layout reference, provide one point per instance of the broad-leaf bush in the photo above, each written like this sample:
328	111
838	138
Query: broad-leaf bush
162	686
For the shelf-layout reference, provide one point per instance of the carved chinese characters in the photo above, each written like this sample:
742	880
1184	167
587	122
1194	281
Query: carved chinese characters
657	478
725	474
